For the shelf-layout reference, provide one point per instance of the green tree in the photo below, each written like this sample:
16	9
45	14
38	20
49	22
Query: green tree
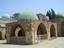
48	14
51	14
16	15
59	16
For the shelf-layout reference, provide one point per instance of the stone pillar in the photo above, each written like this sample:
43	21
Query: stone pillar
48	33
8	33
28	37
34	37
8	38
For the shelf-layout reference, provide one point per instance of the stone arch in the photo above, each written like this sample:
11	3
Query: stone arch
42	31
19	32
52	31
62	28
0	35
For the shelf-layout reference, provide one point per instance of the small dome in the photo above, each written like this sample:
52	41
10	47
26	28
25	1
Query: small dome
47	18
27	16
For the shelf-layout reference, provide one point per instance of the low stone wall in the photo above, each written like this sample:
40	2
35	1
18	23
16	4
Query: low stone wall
42	37
17	40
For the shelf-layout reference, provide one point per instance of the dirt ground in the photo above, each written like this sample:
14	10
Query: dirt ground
55	43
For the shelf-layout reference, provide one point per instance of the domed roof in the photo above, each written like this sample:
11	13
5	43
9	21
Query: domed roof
27	16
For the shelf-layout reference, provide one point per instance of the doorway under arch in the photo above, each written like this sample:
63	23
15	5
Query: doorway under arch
21	32
13	29
41	32
52	31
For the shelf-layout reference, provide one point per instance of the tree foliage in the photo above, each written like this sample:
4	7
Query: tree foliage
16	15
59	16
51	14
48	14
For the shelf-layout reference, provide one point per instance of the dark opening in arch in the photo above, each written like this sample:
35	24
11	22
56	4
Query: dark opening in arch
41	31
52	31
21	32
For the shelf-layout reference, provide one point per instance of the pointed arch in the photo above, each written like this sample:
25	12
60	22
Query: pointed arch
19	31
52	31
42	31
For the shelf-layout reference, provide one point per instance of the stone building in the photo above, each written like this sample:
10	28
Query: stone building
28	29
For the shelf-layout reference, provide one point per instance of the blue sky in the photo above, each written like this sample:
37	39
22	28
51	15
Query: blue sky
12	6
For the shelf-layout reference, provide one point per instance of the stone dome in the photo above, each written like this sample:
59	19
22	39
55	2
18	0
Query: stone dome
27	16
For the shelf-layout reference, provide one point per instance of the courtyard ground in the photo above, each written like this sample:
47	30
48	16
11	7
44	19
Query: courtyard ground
55	43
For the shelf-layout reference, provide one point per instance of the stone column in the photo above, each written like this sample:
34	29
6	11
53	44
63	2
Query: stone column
34	37
28	37
48	33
